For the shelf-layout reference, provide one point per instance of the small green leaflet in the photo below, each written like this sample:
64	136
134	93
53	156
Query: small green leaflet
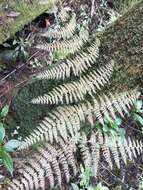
138	118
139	104
8	162
4	111
2	132
11	145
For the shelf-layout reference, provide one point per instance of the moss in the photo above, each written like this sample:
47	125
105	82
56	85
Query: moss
28	115
28	12
122	42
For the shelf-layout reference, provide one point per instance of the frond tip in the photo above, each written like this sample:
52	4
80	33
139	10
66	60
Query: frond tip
64	32
65	121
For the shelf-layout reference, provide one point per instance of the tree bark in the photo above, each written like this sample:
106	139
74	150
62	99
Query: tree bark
123	42
27	10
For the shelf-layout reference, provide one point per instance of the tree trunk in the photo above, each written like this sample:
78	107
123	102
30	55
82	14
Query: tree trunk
123	42
28	11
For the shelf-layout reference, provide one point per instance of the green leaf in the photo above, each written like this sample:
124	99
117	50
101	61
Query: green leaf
11	145
139	104
74	186
2	132
118	121
107	119
113	132
4	111
91	188
105	128
114	125
8	162
100	187
138	118
141	111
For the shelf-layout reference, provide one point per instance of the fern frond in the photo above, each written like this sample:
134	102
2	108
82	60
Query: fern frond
64	32
66	46
111	147
65	121
52	164
63	15
75	91
82	62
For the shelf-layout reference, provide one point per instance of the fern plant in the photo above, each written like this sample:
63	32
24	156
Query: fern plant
64	32
61	132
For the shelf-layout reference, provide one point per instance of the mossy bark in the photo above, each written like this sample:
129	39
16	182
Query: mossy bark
123	42
28	12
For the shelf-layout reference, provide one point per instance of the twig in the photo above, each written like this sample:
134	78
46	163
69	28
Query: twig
92	8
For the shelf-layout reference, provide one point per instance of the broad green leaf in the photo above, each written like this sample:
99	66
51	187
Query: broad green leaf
4	111
11	145
2	132
8	162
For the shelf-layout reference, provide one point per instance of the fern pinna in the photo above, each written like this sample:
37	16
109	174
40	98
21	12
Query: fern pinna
61	133
54	165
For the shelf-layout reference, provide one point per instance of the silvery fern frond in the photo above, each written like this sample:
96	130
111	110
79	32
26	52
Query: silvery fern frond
50	166
65	121
63	14
111	147
66	46
75	66
75	91
64	32
55	164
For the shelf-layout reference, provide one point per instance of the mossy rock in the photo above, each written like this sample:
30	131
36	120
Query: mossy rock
27	115
28	11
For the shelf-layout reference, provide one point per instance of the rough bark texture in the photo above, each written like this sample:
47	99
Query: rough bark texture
123	42
28	11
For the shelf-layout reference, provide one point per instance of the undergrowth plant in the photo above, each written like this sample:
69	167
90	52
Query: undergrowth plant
78	101
6	147
137	113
